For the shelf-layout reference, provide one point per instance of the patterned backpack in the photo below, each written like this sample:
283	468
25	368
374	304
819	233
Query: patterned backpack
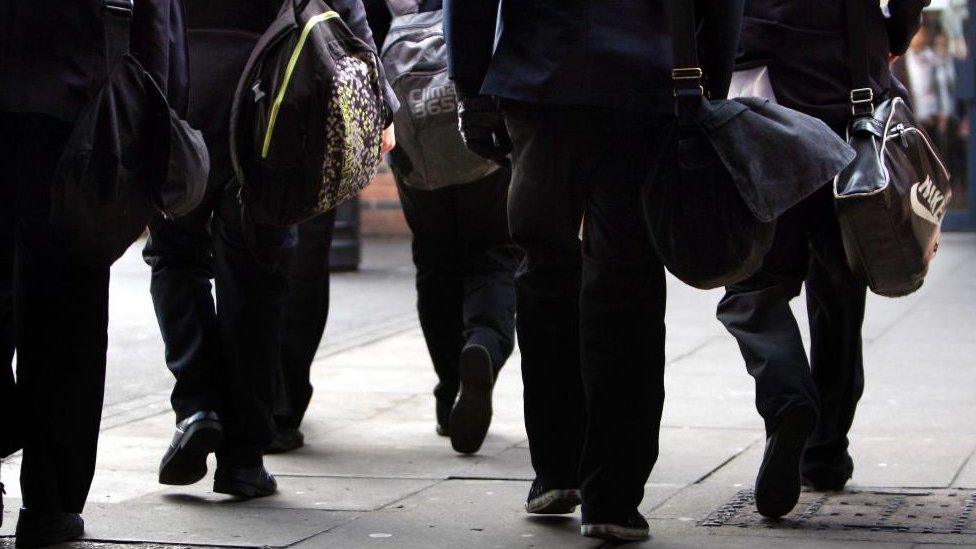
307	117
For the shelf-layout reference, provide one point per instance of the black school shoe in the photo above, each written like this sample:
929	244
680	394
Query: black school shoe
285	439
778	483
443	410
630	528
831	476
244	482
185	461
471	415
547	500
41	529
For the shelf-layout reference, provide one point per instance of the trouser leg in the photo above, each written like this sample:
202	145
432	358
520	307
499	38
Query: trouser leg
835	303
621	320
757	313
251	290
305	314
180	255
545	211
488	260
9	431
432	217
61	313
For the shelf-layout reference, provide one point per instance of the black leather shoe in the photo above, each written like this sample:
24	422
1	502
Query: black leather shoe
548	500
629	528
185	461
40	529
244	482
831	477
778	483
285	439
471	415
443	410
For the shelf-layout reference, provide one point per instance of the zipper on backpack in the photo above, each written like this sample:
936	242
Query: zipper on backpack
289	69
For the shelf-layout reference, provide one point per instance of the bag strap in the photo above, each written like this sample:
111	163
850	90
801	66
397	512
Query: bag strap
687	78
403	7
116	18
862	96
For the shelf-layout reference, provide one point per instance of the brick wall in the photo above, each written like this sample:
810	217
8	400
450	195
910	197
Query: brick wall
380	212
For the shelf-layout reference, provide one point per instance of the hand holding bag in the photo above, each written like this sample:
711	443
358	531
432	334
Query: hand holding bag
891	200
725	170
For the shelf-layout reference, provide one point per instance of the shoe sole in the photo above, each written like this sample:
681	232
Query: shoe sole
554	502
613	532
471	415
778	482
188	464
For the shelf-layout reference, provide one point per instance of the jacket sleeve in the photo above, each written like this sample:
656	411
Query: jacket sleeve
158	41
720	25
379	18
469	28
905	19
354	14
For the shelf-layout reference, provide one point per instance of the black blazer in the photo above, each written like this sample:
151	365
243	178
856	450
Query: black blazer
606	53
52	52
804	45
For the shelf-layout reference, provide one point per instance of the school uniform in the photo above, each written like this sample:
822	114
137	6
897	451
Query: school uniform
805	47
585	90
53	308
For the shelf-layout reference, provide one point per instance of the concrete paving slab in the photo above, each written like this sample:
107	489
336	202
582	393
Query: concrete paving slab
967	475
193	522
687	455
300	492
919	461
694	502
372	461
675	534
461	514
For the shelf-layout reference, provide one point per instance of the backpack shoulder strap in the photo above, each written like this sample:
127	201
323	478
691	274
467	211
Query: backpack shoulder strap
862	96
116	18
403	7
687	78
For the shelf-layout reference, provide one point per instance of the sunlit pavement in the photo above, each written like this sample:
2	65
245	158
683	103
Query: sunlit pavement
374	473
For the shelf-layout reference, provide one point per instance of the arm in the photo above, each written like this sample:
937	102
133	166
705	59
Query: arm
906	18
469	28
721	21
353	13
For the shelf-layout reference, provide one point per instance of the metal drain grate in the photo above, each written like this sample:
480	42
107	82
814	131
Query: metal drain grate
912	511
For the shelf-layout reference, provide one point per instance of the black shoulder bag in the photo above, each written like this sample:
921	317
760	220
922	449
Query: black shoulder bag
725	170
891	200
128	155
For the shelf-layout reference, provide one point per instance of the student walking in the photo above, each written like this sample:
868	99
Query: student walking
455	205
808	406
585	92
53	307
225	355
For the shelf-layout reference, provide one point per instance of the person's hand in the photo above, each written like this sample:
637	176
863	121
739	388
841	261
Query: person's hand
483	128
388	140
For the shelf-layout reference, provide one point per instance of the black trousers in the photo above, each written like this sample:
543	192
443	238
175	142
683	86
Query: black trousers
807	249
303	319
54	311
591	316
466	264
225	354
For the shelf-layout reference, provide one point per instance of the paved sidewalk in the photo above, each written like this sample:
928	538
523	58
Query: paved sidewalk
374	474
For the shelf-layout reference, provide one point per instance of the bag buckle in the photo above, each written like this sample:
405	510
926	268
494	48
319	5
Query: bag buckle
862	101
687	79
120	7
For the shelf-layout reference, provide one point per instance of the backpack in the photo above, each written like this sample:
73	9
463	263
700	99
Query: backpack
430	153
307	117
129	155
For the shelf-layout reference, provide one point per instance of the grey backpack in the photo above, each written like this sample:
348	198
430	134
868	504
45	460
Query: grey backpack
429	153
